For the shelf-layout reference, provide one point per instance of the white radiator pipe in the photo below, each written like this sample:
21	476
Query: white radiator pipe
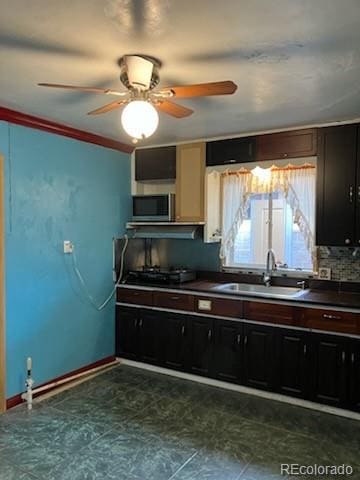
57	383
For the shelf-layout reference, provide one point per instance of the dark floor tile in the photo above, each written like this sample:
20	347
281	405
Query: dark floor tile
10	472
87	467
33	458
212	465
49	428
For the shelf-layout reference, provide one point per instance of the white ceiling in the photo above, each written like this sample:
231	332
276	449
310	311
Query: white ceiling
296	62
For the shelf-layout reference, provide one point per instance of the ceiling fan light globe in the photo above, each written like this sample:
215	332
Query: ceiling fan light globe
140	119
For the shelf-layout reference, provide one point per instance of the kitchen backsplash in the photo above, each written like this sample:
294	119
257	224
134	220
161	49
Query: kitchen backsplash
344	262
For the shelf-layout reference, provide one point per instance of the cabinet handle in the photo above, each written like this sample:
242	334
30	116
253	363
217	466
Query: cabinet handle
183	330
245	340
136	322
174	297
305	349
352	358
347	241
136	294
250	149
343	356
351	193
140	322
238	339
209	334
358	194
327	316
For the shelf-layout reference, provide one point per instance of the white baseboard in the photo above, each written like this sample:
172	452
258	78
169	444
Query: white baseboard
239	388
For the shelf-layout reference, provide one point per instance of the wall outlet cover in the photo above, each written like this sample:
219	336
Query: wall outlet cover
68	246
324	273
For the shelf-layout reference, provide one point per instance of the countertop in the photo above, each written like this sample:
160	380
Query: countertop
320	297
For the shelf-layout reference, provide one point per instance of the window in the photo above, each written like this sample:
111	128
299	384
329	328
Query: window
280	218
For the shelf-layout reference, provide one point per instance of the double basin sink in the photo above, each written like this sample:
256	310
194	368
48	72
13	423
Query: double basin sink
260	290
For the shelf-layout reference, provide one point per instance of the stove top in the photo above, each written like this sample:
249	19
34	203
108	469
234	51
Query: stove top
156	274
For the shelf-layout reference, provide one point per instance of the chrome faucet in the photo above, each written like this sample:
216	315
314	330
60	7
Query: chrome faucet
270	267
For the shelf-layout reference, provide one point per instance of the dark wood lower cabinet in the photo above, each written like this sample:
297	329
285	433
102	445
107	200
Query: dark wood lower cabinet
330	369
126	332
174	335
201	345
227	350
149	340
354	375
292	363
258	357
323	368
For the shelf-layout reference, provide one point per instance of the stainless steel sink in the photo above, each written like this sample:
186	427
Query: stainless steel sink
260	290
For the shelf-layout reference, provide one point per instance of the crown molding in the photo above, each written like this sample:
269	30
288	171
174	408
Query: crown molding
19	118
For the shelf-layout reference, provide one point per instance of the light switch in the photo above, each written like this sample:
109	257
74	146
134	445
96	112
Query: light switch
204	305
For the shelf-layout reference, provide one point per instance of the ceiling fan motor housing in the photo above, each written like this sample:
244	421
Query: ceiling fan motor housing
139	72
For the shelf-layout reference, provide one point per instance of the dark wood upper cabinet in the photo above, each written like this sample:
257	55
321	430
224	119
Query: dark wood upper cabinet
234	150
155	164
292	144
337	194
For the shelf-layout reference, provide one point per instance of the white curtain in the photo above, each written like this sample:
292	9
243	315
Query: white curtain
297	185
235	198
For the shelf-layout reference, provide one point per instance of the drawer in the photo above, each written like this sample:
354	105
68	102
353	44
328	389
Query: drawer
331	321
133	295
176	301
219	306
270	312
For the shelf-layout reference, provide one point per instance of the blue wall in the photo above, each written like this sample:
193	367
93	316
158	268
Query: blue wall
59	189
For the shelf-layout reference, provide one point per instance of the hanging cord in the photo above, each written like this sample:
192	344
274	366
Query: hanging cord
83	283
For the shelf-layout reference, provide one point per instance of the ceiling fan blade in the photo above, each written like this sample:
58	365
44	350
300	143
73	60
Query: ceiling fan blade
108	107
204	89
173	109
105	91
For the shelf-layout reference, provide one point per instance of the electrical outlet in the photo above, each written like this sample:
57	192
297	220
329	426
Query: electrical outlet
324	273
68	246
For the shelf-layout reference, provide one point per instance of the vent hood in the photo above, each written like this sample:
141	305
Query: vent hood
184	231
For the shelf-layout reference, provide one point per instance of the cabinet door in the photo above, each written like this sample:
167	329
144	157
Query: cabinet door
355	375
235	150
149	336
258	358
336	189
190	180
330	368
201	345
291	370
357	221
155	164
293	144
227	350
174	336
126	333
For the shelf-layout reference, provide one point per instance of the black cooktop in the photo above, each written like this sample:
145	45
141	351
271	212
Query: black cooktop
160	275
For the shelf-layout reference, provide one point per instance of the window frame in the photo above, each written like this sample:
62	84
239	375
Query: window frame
256	269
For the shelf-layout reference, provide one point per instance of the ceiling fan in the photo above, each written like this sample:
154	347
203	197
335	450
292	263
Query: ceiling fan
142	100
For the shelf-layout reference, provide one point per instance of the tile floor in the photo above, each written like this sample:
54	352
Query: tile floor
136	425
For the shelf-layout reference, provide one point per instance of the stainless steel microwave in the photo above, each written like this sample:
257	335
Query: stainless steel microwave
154	208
